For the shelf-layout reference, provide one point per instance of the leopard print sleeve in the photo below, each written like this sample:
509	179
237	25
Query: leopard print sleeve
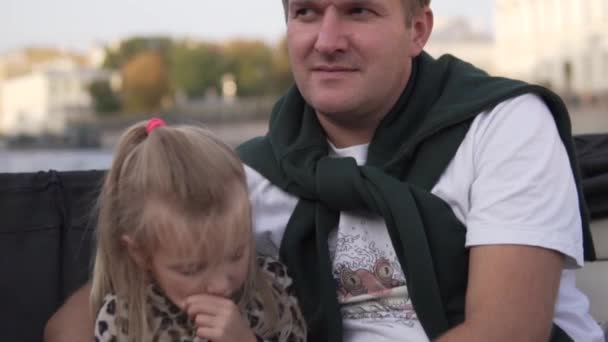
105	323
277	271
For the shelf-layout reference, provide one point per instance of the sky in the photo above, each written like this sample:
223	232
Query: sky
77	24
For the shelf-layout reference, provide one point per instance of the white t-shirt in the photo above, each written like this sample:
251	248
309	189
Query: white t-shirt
509	183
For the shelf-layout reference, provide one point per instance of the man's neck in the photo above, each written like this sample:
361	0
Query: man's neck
348	131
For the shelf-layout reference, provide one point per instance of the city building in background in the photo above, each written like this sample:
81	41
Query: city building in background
463	39
562	44
46	99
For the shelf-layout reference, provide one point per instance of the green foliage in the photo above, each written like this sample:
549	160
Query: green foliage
195	68
104	99
251	64
134	46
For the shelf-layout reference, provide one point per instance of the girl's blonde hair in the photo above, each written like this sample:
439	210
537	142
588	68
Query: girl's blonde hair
180	182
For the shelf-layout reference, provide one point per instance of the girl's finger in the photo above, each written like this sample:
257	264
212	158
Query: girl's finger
209	299
202	304
209	321
198	308
208	333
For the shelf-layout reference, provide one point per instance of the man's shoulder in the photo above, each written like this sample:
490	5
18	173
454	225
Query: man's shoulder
255	180
258	155
526	101
252	147
523	113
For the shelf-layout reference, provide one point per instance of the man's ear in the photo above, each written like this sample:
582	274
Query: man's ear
135	252
422	26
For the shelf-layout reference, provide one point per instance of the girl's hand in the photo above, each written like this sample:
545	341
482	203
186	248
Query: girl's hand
218	319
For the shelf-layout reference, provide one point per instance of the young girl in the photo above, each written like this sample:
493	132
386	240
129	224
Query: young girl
175	256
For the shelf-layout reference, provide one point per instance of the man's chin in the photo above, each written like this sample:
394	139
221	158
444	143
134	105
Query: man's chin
332	102
334	110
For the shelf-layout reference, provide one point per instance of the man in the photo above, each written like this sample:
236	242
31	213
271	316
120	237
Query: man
412	198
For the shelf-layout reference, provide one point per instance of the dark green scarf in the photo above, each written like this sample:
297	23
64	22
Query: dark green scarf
407	155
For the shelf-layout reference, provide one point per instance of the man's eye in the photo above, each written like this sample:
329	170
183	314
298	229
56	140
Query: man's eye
304	13
360	12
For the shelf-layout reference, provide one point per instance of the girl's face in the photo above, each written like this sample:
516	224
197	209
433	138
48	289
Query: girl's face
180	278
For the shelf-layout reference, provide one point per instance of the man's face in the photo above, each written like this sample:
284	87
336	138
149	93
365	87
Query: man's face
350	58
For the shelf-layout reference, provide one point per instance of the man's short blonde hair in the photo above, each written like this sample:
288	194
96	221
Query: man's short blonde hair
410	7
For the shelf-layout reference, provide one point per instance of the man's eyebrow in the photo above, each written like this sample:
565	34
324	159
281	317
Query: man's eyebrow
360	2
345	3
377	5
302	2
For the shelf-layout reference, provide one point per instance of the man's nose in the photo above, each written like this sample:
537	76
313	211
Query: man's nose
331	37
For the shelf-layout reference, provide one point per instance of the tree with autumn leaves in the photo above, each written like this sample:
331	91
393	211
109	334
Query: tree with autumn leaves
145	86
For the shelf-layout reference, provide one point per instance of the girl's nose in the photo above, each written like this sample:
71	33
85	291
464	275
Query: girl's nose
219	285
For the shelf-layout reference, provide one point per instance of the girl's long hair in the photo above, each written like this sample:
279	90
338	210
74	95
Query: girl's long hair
179	184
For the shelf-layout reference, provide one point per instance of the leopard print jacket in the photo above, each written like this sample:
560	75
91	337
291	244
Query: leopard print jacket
170	324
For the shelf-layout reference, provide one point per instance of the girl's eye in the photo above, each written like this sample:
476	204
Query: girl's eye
237	255
191	270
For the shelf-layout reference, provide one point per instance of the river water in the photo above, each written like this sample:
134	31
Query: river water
60	160
584	121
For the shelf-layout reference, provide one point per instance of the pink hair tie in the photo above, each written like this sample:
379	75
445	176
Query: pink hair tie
153	124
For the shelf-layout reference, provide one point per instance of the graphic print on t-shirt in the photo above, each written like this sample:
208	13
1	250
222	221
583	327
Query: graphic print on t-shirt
369	279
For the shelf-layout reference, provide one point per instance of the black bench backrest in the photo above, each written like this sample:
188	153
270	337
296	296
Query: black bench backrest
46	235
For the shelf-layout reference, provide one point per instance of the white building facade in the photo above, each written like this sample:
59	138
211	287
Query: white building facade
562	44
45	100
460	37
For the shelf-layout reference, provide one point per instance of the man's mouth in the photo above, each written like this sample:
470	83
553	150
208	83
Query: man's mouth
333	68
